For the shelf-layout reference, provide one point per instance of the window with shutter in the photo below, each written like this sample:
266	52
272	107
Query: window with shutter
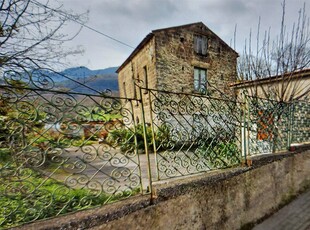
201	45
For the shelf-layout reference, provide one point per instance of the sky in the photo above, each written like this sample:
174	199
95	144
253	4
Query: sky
129	21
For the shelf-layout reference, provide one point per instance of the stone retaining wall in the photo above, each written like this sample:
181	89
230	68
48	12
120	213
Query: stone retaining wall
229	199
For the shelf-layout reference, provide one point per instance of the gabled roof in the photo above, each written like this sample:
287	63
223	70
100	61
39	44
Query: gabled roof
178	27
153	33
198	24
136	50
304	73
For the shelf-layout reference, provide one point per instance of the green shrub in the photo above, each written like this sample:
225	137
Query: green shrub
220	154
130	138
125	138
55	139
5	155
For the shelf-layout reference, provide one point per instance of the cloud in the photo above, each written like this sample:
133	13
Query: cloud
137	10
131	20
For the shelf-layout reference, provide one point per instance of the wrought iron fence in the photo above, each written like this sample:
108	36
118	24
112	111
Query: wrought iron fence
300	122
60	151
66	151
192	133
272	126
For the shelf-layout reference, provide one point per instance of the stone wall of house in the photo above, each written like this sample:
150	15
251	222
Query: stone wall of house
133	74
176	59
169	58
134	70
228	199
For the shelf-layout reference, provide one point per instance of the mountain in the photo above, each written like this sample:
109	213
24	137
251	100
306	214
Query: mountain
83	80
91	84
82	71
79	72
77	79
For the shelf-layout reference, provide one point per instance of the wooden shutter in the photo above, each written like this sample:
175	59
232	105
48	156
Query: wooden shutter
196	48
204	46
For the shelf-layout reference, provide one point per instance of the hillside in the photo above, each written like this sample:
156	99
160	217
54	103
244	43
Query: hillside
82	71
78	79
91	84
83	80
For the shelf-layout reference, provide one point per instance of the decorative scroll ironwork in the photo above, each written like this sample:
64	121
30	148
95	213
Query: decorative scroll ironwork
300	122
193	133
268	125
66	151
57	150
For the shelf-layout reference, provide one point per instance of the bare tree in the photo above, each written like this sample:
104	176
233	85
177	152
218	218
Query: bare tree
272	77
281	58
31	34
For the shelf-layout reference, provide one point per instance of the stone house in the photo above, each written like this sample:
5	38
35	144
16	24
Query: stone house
188	58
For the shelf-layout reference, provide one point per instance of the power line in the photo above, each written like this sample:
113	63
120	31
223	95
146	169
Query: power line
82	24
99	32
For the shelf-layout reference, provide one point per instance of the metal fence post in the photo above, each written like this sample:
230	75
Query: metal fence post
146	144
290	124
136	150
153	134
244	131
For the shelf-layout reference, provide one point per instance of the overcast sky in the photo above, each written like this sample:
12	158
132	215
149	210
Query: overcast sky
131	20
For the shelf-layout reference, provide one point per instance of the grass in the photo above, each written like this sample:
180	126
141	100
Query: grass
26	196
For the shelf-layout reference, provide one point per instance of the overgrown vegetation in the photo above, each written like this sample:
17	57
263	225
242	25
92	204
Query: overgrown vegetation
220	151
220	154
26	195
54	139
98	114
125	138
130	138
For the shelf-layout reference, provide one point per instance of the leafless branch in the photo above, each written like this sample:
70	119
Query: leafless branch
31	33
283	57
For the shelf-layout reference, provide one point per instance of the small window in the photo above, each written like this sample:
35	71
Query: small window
134	90
200	80
124	88
219	49
145	78
201	45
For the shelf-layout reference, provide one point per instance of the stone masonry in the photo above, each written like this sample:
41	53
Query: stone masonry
166	58
176	59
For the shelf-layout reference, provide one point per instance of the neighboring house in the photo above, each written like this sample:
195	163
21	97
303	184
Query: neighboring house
286	87
189	58
268	118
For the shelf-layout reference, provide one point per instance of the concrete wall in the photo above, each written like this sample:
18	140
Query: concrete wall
229	199
290	89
